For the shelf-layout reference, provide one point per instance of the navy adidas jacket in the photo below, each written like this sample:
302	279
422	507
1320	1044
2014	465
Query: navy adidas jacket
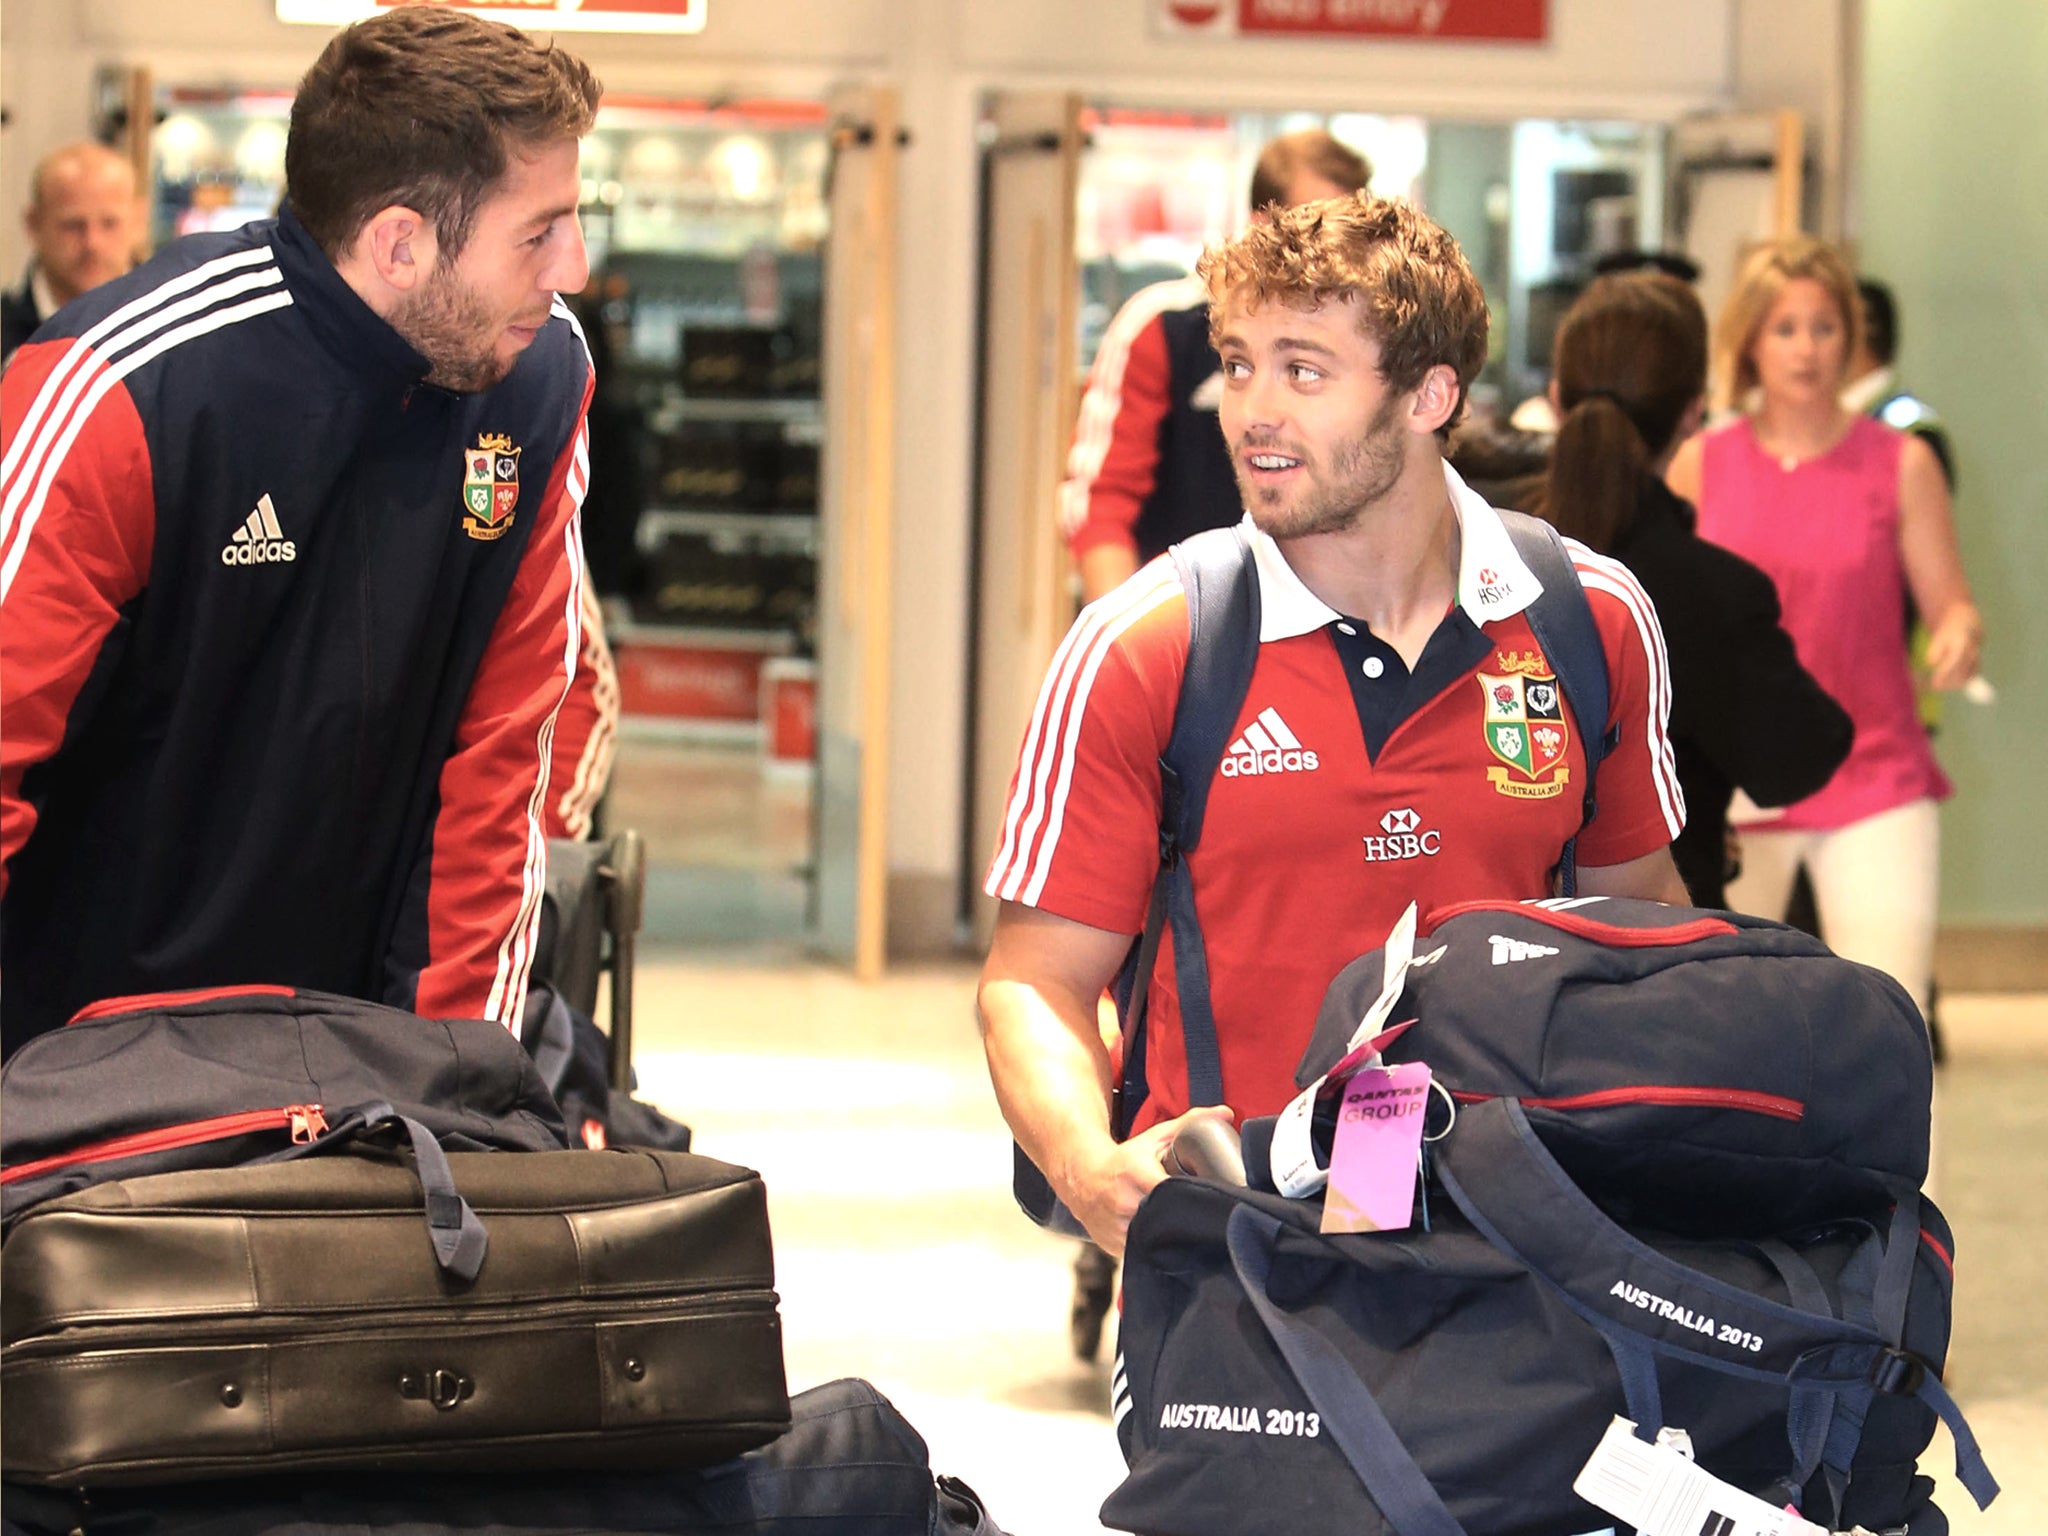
1149	466
284	632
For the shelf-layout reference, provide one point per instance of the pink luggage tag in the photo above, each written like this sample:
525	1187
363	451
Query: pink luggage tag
1378	1149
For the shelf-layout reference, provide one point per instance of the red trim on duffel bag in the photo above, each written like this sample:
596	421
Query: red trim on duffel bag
1673	1095
143	1002
1591	928
1947	1260
304	1121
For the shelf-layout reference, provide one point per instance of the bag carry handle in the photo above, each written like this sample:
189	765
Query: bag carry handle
1350	1414
453	1226
1513	1191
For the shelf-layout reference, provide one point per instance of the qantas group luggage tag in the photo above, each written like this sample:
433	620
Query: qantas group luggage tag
1376	1150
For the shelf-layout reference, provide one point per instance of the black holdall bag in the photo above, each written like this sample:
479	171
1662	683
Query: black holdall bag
1453	1379
1714	1072
850	1465
222	1257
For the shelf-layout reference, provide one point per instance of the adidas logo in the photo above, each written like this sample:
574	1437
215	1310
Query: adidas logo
1508	951
1267	746
259	540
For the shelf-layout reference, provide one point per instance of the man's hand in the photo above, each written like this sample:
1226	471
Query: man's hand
1103	1186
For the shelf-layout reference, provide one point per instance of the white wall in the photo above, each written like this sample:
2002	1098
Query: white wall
1631	58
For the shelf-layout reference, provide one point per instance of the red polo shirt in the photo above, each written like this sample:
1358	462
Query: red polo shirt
1312	846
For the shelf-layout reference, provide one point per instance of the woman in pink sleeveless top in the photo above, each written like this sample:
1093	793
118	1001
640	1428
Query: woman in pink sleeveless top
1846	516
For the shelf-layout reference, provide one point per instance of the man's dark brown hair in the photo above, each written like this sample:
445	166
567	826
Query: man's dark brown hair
1310	151
421	106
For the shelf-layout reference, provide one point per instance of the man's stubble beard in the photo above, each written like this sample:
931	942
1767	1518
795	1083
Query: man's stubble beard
448	325
1363	469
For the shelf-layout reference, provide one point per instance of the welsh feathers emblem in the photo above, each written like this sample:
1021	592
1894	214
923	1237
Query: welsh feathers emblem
490	486
1526	729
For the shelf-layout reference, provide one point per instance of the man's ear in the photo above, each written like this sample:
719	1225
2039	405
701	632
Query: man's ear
397	248
1435	400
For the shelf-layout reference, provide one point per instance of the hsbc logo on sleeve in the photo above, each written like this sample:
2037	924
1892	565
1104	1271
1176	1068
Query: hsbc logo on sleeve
1401	837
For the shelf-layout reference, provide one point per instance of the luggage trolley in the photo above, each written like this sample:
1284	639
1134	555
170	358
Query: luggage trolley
589	926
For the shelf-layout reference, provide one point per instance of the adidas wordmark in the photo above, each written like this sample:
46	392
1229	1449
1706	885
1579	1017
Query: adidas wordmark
259	540
1267	746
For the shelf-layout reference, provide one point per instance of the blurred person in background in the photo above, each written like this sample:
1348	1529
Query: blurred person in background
1846	515
1873	387
1148	464
84	221
1629	385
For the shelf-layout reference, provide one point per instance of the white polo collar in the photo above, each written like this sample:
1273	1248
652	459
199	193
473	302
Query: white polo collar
1493	581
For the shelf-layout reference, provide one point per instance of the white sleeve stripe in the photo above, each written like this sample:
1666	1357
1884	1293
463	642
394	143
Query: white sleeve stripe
1599	574
1034	763
1078	635
594	767
103	380
51	424
1045	772
515	951
1103	402
88	342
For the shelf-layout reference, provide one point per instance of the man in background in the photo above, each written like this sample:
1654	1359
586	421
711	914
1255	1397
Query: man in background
1873	387
85	223
1148	466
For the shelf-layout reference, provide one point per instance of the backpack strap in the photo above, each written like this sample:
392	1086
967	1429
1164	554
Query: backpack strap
1562	621
1221	581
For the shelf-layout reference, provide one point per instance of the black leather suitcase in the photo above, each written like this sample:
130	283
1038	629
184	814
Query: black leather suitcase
286	1316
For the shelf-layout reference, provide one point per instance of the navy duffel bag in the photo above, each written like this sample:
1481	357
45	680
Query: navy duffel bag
1453	1380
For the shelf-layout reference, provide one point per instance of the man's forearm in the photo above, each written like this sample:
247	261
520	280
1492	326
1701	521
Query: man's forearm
1051	1074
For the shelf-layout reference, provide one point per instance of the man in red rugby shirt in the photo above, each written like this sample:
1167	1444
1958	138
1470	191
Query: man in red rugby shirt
1367	770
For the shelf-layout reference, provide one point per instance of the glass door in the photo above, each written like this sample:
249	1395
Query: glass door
706	225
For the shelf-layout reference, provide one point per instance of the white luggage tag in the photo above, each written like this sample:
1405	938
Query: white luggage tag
1295	1173
1662	1492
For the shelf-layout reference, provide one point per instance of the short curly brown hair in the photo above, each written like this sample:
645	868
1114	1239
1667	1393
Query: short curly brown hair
1416	297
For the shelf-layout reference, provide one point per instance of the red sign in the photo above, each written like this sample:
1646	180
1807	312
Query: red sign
1515	21
665	681
546	15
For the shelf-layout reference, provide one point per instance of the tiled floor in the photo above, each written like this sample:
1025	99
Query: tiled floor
902	1259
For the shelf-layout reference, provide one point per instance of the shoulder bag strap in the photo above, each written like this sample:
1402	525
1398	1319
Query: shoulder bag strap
1221	581
1350	1414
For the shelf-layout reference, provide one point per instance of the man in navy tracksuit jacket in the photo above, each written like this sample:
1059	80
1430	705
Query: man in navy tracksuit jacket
289	560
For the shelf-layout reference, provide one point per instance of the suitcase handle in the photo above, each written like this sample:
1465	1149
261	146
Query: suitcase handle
453	1226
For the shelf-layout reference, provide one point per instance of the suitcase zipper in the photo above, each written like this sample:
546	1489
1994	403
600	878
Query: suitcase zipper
66	1335
1671	1095
304	1121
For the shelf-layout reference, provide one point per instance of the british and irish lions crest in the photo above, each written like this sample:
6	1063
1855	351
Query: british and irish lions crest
490	486
1525	727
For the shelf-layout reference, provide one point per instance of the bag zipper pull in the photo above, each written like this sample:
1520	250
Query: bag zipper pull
308	1121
